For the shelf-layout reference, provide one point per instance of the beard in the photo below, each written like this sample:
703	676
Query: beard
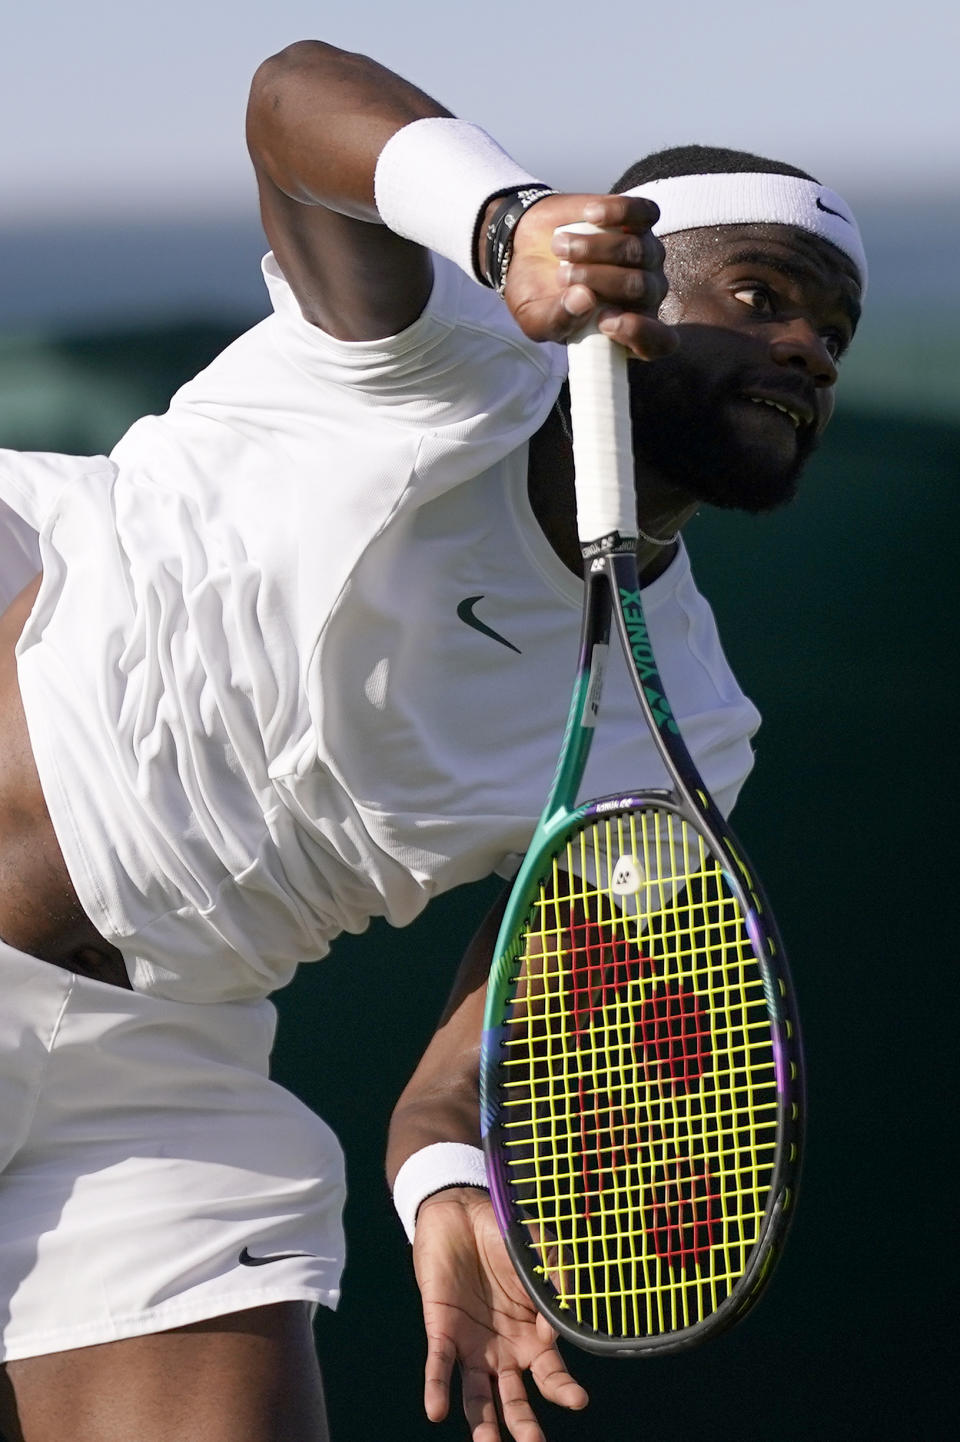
704	438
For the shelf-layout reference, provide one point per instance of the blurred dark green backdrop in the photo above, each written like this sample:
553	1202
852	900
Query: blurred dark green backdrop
840	618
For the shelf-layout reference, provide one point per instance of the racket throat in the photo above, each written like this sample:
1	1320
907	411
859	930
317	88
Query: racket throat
586	697
631	622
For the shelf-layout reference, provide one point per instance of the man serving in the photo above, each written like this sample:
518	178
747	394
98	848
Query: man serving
263	681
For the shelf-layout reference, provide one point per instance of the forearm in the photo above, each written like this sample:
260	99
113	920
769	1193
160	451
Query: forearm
434	1139
441	1102
362	176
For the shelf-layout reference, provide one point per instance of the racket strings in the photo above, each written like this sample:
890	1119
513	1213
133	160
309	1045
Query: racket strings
638	1082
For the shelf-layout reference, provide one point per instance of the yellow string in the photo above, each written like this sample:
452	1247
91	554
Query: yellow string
609	1141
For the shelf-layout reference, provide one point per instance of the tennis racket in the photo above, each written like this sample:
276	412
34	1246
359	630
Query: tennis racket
641	1071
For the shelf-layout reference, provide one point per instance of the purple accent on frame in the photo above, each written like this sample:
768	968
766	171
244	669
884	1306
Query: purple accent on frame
779	1065
753	931
757	940
497	1186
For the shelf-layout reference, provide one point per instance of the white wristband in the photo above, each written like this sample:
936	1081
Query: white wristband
433	180
432	1169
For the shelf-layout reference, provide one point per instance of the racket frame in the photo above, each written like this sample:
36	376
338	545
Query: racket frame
611	577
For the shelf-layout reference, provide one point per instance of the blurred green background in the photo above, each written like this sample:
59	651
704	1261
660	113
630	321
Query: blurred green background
840	619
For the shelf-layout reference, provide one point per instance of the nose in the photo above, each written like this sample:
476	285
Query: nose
800	346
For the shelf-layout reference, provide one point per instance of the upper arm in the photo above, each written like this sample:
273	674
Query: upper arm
354	279
316	123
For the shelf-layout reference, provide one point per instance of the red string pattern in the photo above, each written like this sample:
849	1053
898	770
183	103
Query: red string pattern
669	1036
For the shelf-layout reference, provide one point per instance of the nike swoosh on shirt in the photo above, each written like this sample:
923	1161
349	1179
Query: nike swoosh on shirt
465	612
246	1260
821	206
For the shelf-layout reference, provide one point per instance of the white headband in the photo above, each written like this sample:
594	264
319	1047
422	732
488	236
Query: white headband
688	202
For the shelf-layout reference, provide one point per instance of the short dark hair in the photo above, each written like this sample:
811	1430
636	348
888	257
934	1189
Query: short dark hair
701	160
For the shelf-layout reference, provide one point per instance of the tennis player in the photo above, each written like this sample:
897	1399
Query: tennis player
297	654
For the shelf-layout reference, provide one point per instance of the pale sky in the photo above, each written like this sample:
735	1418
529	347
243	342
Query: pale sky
123	107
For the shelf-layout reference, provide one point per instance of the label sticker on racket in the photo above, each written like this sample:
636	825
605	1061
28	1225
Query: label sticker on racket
627	876
598	666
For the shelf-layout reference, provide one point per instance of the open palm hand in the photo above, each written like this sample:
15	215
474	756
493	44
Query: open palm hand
479	1317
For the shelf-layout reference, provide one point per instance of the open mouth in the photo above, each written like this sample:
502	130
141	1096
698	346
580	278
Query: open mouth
796	412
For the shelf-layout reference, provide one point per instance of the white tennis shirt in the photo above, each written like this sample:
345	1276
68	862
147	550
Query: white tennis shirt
260	706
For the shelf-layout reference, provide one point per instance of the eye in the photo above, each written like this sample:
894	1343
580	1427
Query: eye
835	343
757	297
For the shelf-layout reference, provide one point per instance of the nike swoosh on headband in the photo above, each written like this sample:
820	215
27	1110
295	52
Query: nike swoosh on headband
820	206
465	612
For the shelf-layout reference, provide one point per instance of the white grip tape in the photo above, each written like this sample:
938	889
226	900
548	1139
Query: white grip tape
602	437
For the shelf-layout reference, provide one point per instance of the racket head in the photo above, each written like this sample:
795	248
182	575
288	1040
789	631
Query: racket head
641	1079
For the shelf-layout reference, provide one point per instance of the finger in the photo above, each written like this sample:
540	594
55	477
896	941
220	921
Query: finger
632	211
518	1415
479	1407
555	1383
441	1355
610	247
617	284
645	338
641	335
578	301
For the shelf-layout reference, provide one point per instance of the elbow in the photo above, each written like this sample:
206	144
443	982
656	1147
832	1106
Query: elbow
273	75
311	60
302	85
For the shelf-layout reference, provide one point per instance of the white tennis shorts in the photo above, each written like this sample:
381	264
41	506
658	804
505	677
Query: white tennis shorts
151	1175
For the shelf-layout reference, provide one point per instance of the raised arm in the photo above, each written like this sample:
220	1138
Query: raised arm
319	121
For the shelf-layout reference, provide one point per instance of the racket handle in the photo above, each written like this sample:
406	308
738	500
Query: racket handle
602	436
